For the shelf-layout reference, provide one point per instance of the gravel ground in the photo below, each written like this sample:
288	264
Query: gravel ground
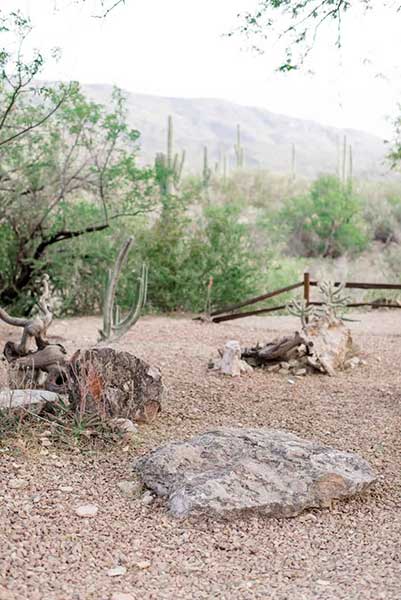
351	551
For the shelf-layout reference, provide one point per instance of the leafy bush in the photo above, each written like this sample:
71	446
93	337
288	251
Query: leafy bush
183	255
326	222
384	218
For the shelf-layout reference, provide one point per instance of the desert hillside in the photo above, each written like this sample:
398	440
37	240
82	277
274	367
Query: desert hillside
267	137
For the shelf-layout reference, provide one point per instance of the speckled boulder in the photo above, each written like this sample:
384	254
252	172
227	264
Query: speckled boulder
230	470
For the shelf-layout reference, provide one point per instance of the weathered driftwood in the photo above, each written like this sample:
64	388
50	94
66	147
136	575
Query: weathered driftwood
100	380
325	345
113	326
35	328
276	351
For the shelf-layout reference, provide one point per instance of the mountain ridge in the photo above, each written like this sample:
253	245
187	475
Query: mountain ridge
267	137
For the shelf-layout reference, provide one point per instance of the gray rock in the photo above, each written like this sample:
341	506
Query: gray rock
147	498
233	469
32	400
130	489
17	484
125	425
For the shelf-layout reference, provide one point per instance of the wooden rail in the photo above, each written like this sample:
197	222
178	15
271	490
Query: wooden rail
267	296
227	313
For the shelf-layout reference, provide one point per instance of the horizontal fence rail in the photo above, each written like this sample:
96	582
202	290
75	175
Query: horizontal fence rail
365	286
252	313
267	296
227	313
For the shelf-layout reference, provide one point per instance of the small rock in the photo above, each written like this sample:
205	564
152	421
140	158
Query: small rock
291	381
352	363
147	498
273	369
283	371
300	372
86	510
45	442
46	433
66	488
130	489
122	596
245	367
143	564
285	365
17	484
117	571
36	499
125	425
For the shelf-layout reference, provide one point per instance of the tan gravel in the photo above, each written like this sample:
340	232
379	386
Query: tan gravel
351	551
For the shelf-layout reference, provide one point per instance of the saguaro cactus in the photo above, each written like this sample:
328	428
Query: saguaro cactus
206	173
168	167
239	151
113	326
293	163
350	167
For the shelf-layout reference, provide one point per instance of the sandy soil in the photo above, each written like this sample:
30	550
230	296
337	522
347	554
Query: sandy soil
352	551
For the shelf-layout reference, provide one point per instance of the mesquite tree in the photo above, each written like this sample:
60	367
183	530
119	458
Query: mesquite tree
57	149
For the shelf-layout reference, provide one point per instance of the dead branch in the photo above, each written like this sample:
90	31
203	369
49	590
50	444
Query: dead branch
35	328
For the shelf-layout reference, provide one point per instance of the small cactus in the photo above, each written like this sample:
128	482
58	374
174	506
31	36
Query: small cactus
300	308
113	326
239	151
334	299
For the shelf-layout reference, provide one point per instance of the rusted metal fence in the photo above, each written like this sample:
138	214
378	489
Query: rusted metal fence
228	313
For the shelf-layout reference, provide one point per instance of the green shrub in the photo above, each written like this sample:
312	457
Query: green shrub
184	254
383	217
326	222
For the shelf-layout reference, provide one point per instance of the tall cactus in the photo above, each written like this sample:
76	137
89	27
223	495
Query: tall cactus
350	167
113	326
206	174
344	161
239	151
169	168
293	163
225	168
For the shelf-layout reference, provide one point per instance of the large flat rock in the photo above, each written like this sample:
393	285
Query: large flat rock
230	470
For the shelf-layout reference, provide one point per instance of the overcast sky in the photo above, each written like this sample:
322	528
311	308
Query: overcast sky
176	48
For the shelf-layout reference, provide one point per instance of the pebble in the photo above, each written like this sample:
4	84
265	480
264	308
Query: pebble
86	510
122	596
147	498
17	484
66	488
125	425
143	564
117	571
130	489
